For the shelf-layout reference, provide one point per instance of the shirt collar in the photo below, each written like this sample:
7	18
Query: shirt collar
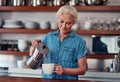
72	33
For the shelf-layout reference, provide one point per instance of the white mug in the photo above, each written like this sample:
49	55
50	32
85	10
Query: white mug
22	45
54	25
48	68
20	63
44	24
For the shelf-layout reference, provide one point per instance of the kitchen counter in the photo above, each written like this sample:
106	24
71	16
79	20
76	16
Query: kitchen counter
25	79
90	75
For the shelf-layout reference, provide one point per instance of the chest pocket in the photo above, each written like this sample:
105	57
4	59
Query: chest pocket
68	54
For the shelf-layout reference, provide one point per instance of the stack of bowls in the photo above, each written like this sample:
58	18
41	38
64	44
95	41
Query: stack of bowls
12	24
44	25
30	24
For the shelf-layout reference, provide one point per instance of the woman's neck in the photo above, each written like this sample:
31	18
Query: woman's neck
62	36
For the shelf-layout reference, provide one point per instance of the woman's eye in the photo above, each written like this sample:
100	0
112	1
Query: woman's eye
69	23
61	21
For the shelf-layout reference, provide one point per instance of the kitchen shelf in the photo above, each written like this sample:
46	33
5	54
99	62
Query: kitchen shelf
93	56
52	9
24	31
40	31
2	52
55	8
100	56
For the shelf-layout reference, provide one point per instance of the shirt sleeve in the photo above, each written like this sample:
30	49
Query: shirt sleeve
82	49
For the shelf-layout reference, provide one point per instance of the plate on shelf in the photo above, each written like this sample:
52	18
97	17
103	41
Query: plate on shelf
12	26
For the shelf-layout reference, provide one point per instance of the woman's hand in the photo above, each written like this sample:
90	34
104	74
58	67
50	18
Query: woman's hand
59	69
35	42
33	45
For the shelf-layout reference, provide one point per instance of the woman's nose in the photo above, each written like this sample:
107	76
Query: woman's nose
64	25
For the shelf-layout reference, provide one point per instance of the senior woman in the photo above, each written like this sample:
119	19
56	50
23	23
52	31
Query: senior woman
66	48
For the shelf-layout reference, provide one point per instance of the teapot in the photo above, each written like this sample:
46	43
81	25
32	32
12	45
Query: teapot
94	2
37	54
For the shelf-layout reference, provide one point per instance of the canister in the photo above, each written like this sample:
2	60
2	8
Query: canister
17	2
2	2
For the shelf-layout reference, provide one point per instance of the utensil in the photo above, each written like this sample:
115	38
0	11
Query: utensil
17	2
57	2
75	2
2	2
37	54
95	2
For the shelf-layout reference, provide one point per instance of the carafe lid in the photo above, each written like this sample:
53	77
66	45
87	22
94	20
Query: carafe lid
42	48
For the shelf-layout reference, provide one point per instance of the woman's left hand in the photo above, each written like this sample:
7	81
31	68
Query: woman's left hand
59	69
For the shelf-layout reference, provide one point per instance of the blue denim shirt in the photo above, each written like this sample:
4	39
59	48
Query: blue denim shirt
65	53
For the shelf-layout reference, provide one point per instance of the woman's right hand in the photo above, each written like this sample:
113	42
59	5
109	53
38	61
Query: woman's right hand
33	45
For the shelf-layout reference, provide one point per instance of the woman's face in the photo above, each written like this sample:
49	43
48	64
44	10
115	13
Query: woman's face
65	22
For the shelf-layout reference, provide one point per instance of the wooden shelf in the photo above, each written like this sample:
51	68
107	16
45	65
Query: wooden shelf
98	32
55	8
2	52
100	56
91	56
24	31
39	31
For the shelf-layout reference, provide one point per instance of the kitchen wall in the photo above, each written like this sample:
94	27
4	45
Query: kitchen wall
10	60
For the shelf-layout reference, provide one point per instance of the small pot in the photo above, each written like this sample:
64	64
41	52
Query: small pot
2	2
94	2
75	2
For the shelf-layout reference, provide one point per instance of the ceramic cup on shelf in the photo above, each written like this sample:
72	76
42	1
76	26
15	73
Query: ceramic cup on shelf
87	25
44	24
22	45
75	26
53	25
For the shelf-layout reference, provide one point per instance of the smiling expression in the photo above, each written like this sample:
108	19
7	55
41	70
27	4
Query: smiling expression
65	22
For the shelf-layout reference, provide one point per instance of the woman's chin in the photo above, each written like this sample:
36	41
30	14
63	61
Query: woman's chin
65	32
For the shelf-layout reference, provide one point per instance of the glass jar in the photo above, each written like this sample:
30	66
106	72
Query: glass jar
15	45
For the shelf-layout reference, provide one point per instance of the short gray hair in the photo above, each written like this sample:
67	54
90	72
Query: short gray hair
68	9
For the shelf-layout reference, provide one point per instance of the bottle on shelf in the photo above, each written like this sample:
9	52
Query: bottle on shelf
116	64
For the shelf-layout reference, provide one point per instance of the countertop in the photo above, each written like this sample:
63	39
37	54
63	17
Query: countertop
25	79
90	75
